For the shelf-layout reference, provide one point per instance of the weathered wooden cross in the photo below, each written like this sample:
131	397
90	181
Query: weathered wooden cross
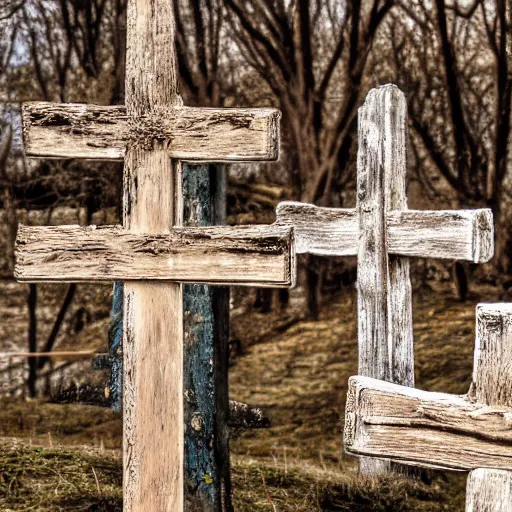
468	433
383	233
153	134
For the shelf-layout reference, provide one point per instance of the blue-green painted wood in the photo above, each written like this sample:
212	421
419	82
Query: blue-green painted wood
206	317
206	312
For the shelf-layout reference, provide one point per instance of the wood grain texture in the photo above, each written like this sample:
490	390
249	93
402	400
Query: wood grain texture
206	357
243	255
320	230
425	429
384	287
458	235
492	370
448	234
440	430
60	130
153	426
489	490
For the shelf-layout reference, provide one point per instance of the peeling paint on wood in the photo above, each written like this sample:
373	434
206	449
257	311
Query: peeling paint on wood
206	317
115	348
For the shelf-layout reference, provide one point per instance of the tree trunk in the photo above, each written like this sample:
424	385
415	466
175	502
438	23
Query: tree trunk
52	338
460	280
313	285
32	339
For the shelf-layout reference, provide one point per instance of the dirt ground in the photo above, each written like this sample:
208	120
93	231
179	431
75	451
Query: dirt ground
67	457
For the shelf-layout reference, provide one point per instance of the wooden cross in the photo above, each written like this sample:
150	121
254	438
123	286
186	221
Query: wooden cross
153	134
383	234
468	433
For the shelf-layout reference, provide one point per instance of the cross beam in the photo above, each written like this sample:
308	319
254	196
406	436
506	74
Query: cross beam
471	432
73	130
383	234
223	255
446	234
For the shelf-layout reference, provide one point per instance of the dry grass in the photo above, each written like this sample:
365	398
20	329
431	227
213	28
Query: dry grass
47	479
299	378
85	479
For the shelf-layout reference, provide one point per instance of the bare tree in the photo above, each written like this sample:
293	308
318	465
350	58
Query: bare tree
62	54
451	59
308	53
199	28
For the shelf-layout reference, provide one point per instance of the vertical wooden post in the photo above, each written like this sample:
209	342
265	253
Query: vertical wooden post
490	490
384	287
206	333
153	321
206	311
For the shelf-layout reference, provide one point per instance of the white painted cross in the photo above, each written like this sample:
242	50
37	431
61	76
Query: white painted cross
437	430
383	233
153	133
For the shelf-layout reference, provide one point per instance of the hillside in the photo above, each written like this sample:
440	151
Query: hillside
66	457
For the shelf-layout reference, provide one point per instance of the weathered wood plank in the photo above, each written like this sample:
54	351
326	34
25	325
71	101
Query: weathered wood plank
437	429
73	130
492	370
426	429
153	426
384	288
212	255
459	235
490	489
152	356
394	145
320	230
206	310
372	262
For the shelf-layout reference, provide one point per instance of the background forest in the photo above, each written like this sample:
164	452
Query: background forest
315	60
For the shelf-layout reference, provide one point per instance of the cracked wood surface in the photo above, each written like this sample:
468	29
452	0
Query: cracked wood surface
458	234
73	130
153	338
490	490
424	428
383	285
153	134
242	255
441	430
